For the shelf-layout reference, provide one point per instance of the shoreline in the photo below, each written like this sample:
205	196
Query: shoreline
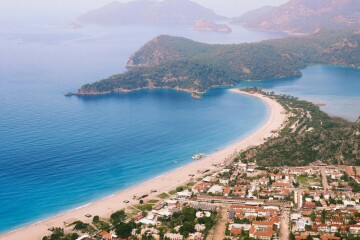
162	183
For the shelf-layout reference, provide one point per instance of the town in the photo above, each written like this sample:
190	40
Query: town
241	201
301	183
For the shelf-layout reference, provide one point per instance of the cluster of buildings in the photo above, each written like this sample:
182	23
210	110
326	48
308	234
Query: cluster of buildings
313	202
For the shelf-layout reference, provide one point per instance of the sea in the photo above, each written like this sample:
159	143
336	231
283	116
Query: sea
58	153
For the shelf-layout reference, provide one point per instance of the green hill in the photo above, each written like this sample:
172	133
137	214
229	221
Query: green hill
179	63
310	135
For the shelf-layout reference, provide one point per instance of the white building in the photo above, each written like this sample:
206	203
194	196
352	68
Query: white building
216	190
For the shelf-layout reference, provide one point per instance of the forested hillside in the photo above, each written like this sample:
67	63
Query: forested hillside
179	63
310	135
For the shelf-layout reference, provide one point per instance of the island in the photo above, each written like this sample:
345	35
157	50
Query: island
186	65
209	26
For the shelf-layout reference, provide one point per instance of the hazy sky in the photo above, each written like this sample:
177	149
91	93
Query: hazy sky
24	10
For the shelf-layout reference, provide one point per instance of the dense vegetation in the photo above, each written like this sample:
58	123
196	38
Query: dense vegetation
179	63
186	218
310	135
58	234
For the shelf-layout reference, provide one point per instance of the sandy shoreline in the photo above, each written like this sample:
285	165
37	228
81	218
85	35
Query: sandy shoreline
164	183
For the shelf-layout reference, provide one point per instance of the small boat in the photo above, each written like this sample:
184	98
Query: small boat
198	156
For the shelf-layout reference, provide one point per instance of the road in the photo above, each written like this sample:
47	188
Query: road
284	225
299	196
324	179
220	227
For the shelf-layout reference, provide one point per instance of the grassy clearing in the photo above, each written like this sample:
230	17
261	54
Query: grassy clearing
307	181
172	192
163	195
144	207
190	184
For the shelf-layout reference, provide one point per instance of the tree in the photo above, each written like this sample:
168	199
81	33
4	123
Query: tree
74	236
312	216
79	225
185	234
57	234
117	217
96	219
323	216
291	236
309	237
188	227
352	221
345	177
123	230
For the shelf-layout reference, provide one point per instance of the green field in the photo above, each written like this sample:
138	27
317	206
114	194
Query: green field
307	181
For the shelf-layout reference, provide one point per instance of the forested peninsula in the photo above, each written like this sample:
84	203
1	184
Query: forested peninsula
183	64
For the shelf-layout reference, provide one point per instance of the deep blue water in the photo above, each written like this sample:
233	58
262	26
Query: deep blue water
57	153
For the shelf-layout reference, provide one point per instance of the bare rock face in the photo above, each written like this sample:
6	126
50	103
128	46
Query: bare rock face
209	26
306	16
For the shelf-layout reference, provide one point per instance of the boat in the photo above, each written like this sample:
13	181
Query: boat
198	156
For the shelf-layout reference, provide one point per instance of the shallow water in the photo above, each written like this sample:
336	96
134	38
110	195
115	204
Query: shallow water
57	153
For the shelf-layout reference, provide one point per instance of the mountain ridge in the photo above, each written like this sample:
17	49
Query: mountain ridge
307	16
150	12
252	15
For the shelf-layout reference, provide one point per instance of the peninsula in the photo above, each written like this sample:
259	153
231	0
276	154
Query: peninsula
182	64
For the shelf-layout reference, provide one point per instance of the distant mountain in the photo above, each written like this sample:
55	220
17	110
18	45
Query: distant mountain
253	15
150	12
182	64
306	16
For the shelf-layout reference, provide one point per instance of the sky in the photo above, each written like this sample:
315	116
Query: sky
37	10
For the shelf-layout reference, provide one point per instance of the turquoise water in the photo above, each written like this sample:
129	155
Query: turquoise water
336	87
57	153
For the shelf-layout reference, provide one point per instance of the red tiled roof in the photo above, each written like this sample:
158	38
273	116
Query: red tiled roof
105	235
227	190
329	237
236	231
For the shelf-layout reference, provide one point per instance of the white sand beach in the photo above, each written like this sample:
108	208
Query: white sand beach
164	183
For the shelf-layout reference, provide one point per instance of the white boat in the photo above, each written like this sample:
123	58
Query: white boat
198	156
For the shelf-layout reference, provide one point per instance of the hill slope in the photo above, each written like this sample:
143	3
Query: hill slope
310	135
150	12
253	15
179	63
306	16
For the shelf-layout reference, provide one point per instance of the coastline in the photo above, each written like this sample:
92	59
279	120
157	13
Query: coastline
163	183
